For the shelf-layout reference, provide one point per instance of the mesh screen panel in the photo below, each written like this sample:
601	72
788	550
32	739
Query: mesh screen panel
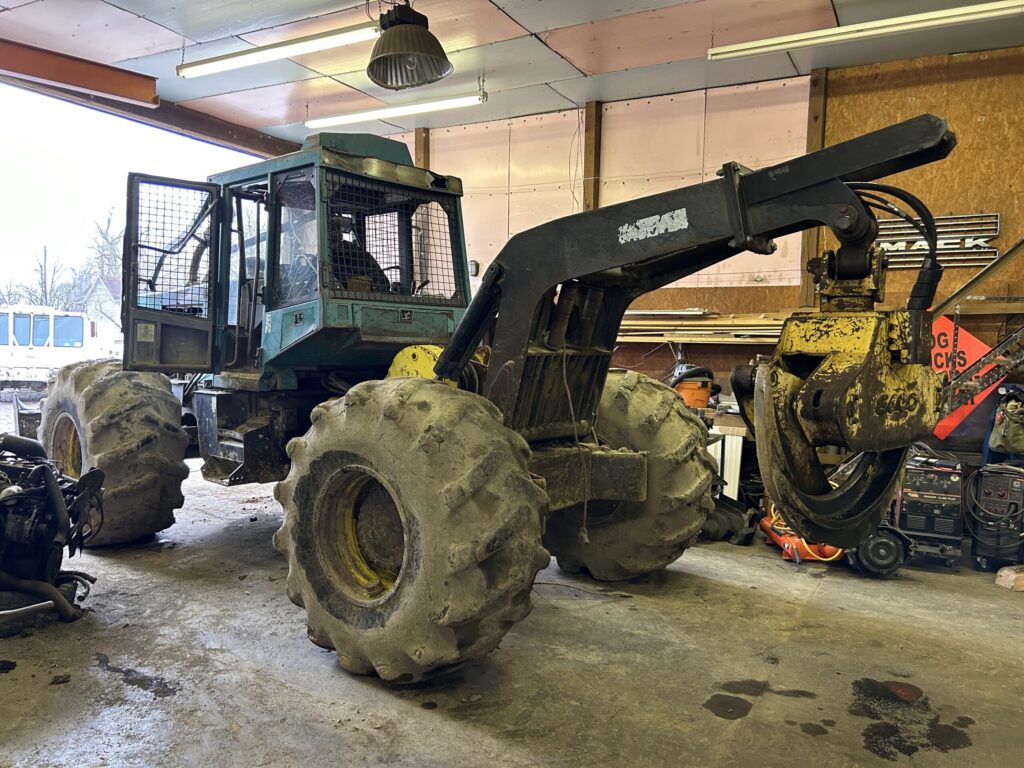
391	243
172	248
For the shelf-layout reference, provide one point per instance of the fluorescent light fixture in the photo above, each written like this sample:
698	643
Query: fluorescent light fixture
871	29
321	41
385	113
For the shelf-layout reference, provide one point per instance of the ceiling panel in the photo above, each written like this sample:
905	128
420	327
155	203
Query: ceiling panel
855	11
286	103
174	88
740	21
545	15
980	36
638	40
507	65
214	19
682	32
533	99
89	29
674	78
458	24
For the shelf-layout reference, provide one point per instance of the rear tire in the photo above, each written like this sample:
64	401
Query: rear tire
411	527
628	539
127	424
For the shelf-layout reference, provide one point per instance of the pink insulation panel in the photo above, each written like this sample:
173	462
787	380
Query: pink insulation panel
681	32
284	103
89	29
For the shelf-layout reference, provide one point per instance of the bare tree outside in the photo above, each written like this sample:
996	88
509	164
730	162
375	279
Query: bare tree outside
72	289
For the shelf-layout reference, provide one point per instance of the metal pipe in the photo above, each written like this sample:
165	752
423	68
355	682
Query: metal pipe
28	610
982	275
65	610
254	304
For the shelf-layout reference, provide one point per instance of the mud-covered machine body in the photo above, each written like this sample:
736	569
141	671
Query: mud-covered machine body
430	451
273	287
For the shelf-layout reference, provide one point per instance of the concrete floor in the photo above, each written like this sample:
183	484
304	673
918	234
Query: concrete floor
192	655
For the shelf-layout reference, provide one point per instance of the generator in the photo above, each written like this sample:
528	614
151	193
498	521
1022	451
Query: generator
929	508
926	519
995	516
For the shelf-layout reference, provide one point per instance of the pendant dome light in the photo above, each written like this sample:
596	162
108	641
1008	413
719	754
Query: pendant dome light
406	54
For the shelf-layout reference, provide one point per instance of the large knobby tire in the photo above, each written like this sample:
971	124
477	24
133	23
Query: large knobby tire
628	539
412	528
127	424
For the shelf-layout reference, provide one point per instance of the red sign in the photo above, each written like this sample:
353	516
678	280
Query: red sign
969	349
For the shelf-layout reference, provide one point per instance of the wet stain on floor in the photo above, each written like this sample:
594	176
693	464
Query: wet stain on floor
759	687
813	729
158	686
727	707
905	723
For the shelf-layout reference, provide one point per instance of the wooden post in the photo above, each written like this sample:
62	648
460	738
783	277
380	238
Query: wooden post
422	158
812	238
591	155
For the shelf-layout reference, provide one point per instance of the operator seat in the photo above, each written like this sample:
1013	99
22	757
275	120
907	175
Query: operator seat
353	267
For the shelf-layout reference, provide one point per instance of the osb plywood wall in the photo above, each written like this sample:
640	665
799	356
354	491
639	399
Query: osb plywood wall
981	95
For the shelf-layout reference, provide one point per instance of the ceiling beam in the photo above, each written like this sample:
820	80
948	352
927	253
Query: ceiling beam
49	68
174	118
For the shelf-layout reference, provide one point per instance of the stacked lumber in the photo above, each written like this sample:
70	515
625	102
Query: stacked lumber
696	326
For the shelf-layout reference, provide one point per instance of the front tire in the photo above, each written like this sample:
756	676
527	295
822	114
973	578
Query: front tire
127	424
411	527
629	539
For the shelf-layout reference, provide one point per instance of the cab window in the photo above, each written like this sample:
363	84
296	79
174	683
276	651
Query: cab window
297	277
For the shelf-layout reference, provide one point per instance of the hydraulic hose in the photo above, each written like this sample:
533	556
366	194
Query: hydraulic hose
25	447
43	475
41	589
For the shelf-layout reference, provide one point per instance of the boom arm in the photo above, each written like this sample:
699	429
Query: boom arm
554	298
614	254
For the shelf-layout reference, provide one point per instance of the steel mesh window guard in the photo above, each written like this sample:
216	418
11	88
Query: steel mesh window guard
390	243
173	248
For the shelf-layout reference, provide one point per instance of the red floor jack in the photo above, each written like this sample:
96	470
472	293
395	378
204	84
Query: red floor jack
793	546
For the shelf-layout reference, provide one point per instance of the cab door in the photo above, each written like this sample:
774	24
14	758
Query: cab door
171	254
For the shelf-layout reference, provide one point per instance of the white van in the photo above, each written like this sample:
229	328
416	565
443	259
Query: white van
35	341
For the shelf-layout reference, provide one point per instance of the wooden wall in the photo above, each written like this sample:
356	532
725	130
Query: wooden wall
981	95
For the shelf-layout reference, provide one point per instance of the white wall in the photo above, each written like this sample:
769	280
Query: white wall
525	171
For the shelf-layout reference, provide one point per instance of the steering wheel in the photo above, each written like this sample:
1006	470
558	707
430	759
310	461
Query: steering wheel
302	278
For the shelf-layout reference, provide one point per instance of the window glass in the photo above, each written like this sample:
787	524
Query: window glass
68	331
252	231
5	319
297	277
40	330
22	329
